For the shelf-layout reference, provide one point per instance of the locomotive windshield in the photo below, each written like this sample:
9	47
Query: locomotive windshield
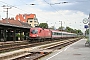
35	31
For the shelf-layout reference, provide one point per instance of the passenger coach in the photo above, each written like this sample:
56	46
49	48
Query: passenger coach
60	34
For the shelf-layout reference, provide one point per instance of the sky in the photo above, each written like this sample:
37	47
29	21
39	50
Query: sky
50	11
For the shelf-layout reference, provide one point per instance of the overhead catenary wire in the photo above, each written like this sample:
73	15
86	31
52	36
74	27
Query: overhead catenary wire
27	11
34	4
19	9
54	8
13	6
8	5
51	5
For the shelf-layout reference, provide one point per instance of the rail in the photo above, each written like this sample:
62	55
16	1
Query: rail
45	50
42	49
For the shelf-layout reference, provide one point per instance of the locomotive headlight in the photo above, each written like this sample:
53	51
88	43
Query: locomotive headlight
37	35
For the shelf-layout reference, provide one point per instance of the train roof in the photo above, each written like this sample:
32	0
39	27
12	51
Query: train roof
54	30
62	31
40	28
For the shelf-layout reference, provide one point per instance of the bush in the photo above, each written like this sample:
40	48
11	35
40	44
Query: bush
17	35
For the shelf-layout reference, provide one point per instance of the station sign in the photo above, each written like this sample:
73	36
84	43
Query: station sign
85	26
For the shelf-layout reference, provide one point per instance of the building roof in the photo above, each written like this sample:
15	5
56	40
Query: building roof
12	22
25	17
30	16
25	24
16	23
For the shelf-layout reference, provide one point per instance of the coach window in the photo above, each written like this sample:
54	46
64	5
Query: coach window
60	33
57	33
53	33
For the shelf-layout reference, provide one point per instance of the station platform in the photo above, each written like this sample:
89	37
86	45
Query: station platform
75	51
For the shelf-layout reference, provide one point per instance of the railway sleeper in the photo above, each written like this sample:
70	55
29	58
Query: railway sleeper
12	48
59	46
33	55
10	55
55	46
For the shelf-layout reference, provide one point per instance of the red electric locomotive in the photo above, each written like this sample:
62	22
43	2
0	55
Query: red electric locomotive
39	34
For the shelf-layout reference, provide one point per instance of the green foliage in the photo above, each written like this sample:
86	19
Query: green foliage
43	25
87	31
68	29
18	35
60	28
22	35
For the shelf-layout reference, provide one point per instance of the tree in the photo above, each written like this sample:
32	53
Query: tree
68	29
87	31
79	32
61	28
43	25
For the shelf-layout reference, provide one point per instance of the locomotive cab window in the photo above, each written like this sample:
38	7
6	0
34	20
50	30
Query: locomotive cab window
35	31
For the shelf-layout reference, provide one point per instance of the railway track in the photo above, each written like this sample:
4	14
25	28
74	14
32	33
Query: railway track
32	56
37	52
16	45
6	47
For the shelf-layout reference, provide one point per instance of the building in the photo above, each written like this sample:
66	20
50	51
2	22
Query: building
28	18
11	30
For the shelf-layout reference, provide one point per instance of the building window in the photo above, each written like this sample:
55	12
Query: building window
19	19
35	21
35	24
30	21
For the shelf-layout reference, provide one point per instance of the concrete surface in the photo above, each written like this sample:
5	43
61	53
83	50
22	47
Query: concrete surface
75	51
